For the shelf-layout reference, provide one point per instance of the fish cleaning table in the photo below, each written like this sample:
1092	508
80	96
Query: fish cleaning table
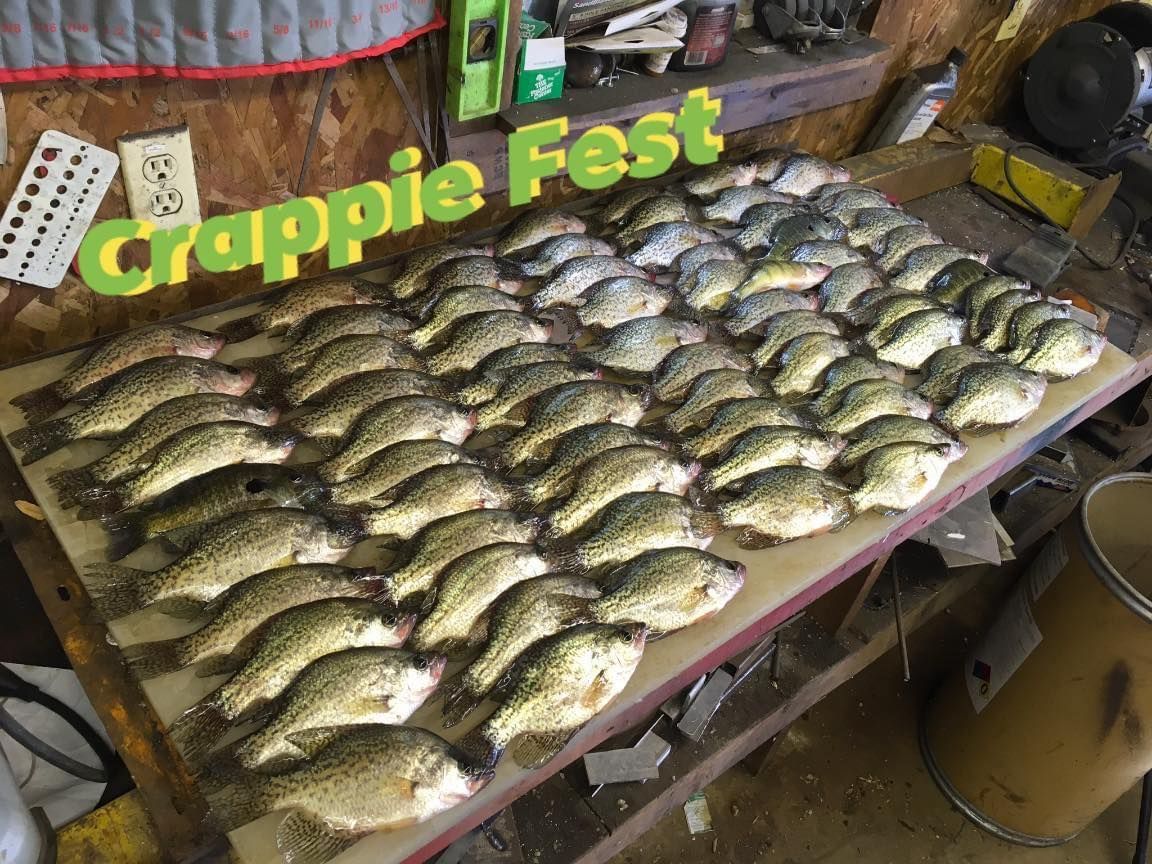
780	582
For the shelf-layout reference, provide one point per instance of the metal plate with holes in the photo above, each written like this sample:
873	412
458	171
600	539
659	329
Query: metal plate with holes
62	185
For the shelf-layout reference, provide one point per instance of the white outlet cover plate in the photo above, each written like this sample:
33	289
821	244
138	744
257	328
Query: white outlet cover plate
59	192
142	186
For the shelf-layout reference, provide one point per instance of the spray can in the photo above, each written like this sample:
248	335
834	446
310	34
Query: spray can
921	98
708	35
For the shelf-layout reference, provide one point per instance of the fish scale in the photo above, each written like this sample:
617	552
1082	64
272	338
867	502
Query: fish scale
413	279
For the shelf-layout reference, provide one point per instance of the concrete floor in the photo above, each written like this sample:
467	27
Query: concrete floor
847	784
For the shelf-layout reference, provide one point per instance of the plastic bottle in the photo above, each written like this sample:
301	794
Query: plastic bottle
709	33
918	103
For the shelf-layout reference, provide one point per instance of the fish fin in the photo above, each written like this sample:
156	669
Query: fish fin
126	533
706	523
751	539
571	560
221	664
596	691
235	795
570	610
179	607
240	329
476	744
153	659
39	404
459	701
69	484
570	320
185	537
311	741
534	749
305	839
100	501
198	728
40	439
271	377
115	591
707	481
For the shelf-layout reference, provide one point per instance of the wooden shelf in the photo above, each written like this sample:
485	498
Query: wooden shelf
757	88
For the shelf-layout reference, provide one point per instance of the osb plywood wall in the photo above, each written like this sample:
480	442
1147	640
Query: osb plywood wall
250	136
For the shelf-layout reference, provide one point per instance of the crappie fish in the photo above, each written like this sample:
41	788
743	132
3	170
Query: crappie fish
638	346
344	357
769	163
919	335
669	589
147	433
944	367
190	453
710	180
849	204
991	396
689	261
685	364
759	222
356	687
345	401
996	320
804	360
764	447
454	304
873	224
437	492
569	407
1059	349
485	381
290	304
474	337
803	228
618	299
232	549
889	429
664	242
557	687
533	227
635	523
314	332
841	289
828	191
950	286
752	312
525	614
574	450
219	646
845	372
710	287
734	201
984	291
899	243
284	646
865	400
404	418
393	465
1027	319
510	405
427	554
413	278
181	513
498	273
91	370
803	174
613	473
710	390
787	503
881	318
136	391
785	327
369	778
618	208
468	587
653	211
926	261
792	275
897	477
571	279
830	253
737	417
561	249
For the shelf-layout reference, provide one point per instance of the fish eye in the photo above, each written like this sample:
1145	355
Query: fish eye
389	619
295	478
464	767
420	662
231	370
625	635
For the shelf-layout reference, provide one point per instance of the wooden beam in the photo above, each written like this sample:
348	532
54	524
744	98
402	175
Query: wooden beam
914	169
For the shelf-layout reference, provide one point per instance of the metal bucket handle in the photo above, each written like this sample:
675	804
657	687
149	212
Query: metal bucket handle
1123	590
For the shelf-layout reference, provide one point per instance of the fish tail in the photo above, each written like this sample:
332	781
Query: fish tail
706	523
198	728
707	481
574	560
40	439
236	796
68	485
100	501
240	329
116	591
271	377
569	319
127	532
39	404
506	268
459	700
477	745
153	659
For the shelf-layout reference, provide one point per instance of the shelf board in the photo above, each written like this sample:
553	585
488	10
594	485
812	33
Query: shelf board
757	88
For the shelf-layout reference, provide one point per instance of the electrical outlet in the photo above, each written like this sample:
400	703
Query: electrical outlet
160	176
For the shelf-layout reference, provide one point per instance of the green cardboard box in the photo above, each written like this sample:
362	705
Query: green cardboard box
540	72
